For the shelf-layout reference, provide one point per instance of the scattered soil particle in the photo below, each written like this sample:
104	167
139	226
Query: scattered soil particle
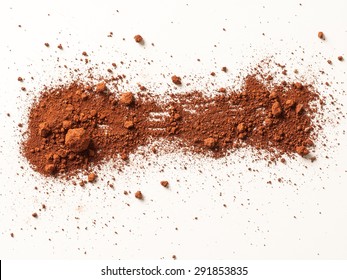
91	177
47	45
164	183
321	35
12	234
35	215
176	80
20	79
139	195
142	88
138	38
60	46
301	150
340	58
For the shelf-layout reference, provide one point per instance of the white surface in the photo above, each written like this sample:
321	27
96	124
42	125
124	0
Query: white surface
302	217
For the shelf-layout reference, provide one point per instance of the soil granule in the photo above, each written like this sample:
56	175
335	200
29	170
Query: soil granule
138	39
75	127
139	195
176	80
321	35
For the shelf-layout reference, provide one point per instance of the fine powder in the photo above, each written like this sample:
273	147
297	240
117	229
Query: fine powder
73	128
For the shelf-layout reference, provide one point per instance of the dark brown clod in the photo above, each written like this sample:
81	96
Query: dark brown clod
321	35
100	87
299	86
164	183
47	45
67	124
241	127
273	95
276	109
77	139
60	46
20	79
50	168
44	129
91	177
138	39
35	215
299	108
126	98
176	80
139	195
302	151
129	124
340	58
210	142
290	103
84	54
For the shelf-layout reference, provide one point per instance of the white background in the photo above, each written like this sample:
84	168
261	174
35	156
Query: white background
304	216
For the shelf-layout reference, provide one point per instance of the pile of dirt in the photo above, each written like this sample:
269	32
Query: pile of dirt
75	127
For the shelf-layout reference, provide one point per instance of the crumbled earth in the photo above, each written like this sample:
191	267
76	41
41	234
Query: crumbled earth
78	126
